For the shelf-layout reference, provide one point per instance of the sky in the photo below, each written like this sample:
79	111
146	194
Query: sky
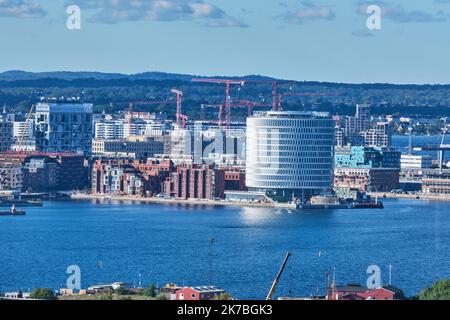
313	40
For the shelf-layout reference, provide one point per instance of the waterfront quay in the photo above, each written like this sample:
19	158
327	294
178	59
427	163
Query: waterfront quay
156	200
405	195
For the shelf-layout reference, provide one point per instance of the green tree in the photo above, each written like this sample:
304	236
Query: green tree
150	291
223	296
42	294
161	297
439	291
121	291
106	296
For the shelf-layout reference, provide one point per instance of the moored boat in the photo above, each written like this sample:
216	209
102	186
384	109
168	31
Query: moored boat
9	213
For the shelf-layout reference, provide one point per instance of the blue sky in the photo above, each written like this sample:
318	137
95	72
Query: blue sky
323	40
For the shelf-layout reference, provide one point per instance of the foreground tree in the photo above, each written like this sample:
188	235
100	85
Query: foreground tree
42	294
223	296
150	291
439	291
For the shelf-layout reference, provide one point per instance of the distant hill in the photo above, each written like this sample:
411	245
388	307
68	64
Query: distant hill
114	92
19	75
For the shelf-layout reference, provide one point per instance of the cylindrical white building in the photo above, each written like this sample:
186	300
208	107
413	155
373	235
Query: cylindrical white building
290	154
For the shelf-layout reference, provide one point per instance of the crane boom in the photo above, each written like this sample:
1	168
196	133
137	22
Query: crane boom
228	83
277	279
179	94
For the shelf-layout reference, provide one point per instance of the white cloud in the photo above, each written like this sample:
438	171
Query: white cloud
21	9
115	11
399	14
309	11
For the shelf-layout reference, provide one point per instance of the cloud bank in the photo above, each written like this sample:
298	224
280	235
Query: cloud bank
116	11
21	9
398	13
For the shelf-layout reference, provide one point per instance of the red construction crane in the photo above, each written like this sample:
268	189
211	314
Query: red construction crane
220	117
181	119
228	84
179	94
250	105
274	93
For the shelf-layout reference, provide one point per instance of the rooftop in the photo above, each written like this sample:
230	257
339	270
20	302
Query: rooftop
292	114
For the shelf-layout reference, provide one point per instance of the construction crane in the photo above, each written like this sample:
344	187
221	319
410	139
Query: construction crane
179	94
250	105
27	122
181	118
220	117
130	118
277	279
274	92
228	84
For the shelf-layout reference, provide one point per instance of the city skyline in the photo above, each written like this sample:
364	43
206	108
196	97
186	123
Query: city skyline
296	40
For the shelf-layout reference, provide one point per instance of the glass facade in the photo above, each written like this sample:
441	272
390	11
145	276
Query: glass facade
290	151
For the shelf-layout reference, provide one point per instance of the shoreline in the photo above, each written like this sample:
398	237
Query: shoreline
82	196
423	197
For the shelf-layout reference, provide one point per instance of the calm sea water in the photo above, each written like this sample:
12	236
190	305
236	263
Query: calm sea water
113	241
402	144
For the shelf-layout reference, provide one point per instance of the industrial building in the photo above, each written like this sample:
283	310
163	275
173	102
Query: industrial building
290	154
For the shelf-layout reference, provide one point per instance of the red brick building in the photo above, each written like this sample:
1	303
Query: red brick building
195	181
161	176
367	179
234	178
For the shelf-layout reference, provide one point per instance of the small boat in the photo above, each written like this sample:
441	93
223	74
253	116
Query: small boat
9	213
12	212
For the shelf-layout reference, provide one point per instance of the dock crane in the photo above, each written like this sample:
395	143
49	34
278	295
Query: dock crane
277	279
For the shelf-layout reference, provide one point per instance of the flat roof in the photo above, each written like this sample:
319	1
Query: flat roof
282	114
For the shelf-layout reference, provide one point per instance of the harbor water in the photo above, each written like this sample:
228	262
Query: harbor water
236	248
